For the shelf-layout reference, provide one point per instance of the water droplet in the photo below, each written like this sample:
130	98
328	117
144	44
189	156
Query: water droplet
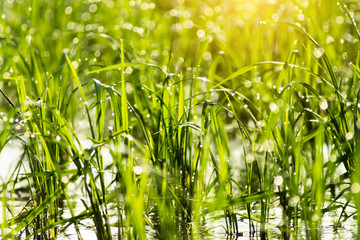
329	39
144	6
315	217
200	33
355	188
275	17
294	201
349	135
68	10
317	52
93	8
339	20
278	180
207	56
173	12
300	17
250	158
323	104
188	24
273	107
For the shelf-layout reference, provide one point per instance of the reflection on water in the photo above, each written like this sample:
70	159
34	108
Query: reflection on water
214	224
9	157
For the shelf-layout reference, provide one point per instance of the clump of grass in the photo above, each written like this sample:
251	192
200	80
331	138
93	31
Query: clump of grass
161	130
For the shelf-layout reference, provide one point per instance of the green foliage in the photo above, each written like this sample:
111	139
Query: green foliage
152	119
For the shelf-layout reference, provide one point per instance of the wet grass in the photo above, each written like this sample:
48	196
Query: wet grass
149	118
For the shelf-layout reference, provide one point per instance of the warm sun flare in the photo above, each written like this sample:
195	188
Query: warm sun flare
160	119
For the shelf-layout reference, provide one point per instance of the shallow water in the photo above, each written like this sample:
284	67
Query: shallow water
213	223
8	159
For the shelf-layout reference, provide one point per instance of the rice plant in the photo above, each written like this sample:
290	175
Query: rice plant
179	119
